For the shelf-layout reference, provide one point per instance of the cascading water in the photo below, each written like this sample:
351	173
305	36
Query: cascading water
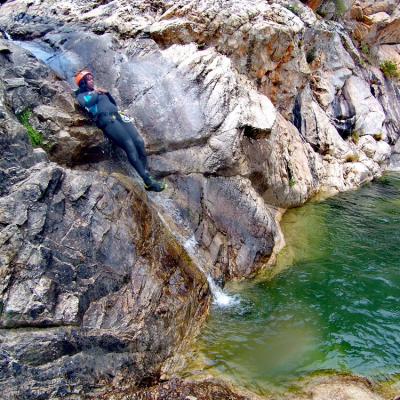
61	62
6	35
220	298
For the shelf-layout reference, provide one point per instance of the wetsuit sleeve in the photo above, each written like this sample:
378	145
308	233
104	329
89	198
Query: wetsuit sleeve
111	99
87	99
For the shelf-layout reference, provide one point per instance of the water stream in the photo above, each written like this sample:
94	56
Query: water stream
332	303
220	298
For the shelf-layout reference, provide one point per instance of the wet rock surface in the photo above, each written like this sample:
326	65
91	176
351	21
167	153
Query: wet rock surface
246	108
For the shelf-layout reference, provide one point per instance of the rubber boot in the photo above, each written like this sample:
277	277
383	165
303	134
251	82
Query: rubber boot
153	185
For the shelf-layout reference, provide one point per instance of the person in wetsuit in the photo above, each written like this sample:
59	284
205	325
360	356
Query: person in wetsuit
104	111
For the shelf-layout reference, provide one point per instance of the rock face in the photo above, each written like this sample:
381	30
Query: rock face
246	108
105	279
94	286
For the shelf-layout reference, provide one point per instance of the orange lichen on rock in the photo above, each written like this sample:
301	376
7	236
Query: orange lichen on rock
314	4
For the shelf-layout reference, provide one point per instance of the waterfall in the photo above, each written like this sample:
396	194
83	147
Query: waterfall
6	35
220	298
61	62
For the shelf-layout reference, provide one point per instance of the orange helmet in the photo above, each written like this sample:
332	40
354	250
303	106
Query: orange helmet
80	75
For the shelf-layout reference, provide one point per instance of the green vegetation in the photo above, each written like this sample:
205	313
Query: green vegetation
365	49
355	137
378	136
293	8
331	9
35	136
311	55
340	7
389	69
292	182
352	158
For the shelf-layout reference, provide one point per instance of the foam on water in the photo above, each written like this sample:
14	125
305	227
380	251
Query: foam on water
220	298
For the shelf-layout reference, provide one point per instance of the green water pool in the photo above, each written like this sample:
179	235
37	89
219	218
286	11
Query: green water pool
334	304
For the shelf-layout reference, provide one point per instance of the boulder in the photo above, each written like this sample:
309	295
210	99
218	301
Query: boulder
378	151
379	18
224	224
390	33
369	112
356	173
389	52
395	157
283	169
378	7
341	387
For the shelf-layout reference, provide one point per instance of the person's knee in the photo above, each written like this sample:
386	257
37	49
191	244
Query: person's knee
140	141
131	150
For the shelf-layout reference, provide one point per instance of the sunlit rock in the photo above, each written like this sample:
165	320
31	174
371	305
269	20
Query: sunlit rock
369	112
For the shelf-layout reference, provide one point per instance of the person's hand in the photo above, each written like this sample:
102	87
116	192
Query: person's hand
101	91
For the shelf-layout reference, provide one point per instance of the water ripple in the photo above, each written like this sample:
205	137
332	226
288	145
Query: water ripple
333	306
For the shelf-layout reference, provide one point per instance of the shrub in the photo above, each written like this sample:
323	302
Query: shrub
355	137
35	136
352	158
365	49
340	7
389	69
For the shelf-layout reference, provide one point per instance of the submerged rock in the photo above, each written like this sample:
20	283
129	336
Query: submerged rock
179	389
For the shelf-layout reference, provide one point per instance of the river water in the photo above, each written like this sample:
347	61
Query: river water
332	304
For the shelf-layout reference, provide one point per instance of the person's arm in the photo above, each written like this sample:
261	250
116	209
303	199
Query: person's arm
101	90
107	93
87	99
111	98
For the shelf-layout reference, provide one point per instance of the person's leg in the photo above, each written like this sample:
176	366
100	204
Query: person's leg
116	131
134	159
139	143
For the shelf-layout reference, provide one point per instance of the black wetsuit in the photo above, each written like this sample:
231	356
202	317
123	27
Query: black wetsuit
103	109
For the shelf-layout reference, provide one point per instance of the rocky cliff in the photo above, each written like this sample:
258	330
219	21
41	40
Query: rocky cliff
246	107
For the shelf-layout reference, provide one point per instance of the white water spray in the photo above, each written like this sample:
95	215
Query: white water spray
220	298
6	35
